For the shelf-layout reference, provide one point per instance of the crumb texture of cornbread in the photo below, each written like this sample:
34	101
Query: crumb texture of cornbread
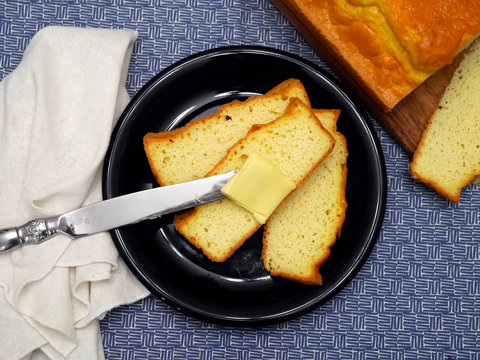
391	46
448	155
298	236
295	143
188	153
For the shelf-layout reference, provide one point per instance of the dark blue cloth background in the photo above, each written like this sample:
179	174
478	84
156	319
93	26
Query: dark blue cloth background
417	296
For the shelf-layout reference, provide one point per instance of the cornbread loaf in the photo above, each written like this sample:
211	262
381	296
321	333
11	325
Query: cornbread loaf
189	152
389	47
295	144
448	155
298	235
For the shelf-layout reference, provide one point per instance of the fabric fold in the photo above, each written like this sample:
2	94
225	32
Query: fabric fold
60	106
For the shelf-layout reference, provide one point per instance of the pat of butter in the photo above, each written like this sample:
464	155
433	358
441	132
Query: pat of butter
259	187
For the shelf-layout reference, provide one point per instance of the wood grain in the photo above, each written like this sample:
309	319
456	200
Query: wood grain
407	120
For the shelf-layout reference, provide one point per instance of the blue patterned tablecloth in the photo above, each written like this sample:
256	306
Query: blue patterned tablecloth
416	297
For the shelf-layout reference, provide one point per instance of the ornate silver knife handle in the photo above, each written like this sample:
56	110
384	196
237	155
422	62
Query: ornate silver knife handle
118	211
33	232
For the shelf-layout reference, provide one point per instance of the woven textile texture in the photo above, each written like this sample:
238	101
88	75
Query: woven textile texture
416	297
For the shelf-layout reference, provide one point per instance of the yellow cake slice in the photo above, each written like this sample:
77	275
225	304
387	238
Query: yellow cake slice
188	153
294	143
298	236
448	155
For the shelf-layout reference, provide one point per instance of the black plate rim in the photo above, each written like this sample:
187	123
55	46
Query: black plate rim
380	175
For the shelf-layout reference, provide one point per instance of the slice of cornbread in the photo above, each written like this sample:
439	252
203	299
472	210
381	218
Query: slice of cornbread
298	236
188	153
448	155
295	144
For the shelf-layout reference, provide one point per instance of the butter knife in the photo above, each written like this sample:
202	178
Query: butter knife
116	212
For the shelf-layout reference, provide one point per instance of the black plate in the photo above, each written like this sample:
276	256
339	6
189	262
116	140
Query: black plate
238	291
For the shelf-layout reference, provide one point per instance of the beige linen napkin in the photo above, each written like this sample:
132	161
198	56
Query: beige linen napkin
57	112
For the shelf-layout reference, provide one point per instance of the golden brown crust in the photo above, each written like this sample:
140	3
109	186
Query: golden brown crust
343	199
388	47
147	140
316	278
328	49
284	86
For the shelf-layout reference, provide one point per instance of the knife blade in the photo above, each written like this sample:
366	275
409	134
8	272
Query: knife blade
116	212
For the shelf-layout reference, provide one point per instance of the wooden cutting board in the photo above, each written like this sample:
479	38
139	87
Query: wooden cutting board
407	120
